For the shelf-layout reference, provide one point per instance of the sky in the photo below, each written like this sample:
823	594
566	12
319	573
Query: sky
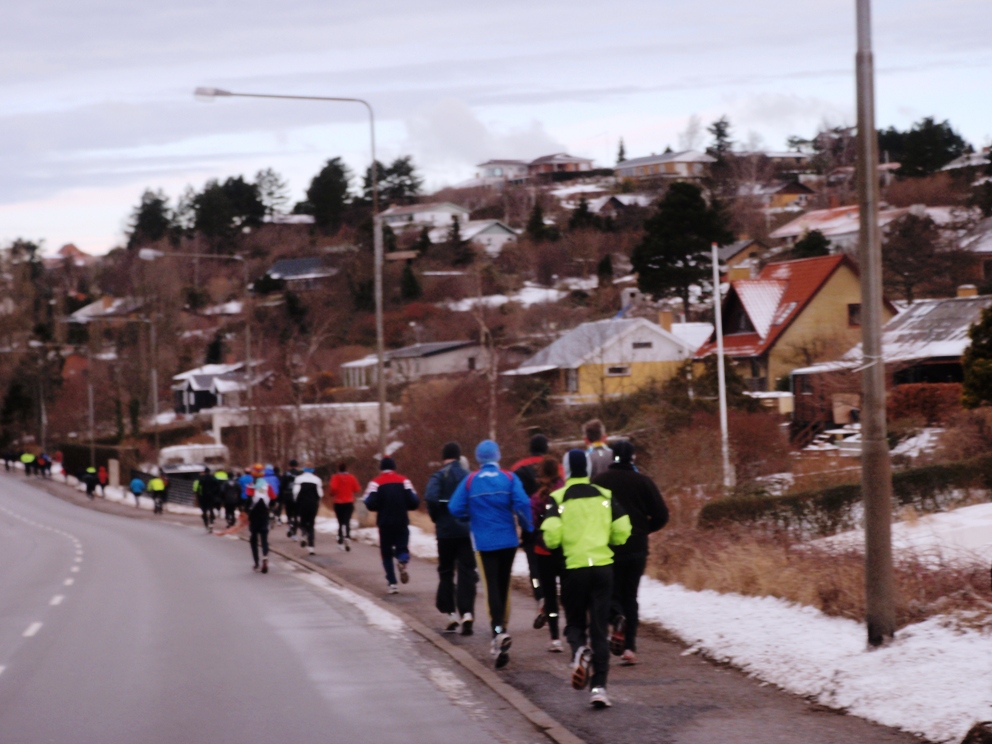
98	94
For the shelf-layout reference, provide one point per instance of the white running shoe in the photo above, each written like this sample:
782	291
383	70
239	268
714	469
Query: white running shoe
393	589
454	622
467	622
501	649
347	544
598	698
341	547
555	647
312	551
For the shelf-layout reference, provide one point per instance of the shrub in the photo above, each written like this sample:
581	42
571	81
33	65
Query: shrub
934	402
826	511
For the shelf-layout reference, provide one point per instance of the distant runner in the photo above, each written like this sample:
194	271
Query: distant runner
307	493
391	496
344	487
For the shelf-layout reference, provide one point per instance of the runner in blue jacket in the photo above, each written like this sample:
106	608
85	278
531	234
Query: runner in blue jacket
490	498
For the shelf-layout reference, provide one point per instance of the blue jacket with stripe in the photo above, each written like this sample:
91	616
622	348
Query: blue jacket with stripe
489	498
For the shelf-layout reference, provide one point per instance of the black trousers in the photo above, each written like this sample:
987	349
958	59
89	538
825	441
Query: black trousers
307	511
627	573
231	514
343	512
549	569
535	574
207	512
256	535
496	567
455	554
291	517
587	593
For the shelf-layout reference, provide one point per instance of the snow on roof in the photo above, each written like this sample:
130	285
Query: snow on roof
927	329
107	307
412	352
832	222
979	238
572	349
969	160
559	157
447	207
208	369
312	267
471	230
685	156
578	188
232	307
693	334
760	298
497	161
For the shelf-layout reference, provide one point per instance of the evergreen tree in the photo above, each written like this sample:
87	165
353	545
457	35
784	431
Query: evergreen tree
621	153
215	350
459	247
221	210
911	254
924	149
327	196
977	362
604	269
423	244
151	220
722	144
398	183
582	218
675	252
535	223
409	285
812	244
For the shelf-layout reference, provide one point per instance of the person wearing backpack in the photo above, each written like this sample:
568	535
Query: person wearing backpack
454	545
586	522
550	564
494	502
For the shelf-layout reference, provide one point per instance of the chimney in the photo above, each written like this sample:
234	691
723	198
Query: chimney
736	273
107	301
967	290
665	319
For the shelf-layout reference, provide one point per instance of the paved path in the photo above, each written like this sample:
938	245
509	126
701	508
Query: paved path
149	630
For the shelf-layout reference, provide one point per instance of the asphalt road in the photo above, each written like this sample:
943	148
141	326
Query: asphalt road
140	630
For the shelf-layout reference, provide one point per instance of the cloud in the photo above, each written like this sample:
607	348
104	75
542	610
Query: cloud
449	133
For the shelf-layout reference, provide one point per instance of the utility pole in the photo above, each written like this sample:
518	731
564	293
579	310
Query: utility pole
154	345
721	375
89	400
876	468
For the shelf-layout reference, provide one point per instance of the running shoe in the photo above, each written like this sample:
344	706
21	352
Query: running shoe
541	620
501	649
265	565
404	576
598	698
580	668
467	622
555	647
618	637
393	589
629	658
453	623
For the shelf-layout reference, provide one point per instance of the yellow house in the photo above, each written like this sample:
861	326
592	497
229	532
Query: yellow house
608	358
794	313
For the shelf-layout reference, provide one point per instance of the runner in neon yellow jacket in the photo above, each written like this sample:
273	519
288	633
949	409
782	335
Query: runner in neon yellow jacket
585	523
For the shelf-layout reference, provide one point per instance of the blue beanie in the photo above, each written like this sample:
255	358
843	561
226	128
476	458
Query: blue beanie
576	464
487	451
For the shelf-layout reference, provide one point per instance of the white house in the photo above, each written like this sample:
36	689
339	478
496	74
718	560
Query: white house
420	215
499	172
492	235
420	360
688	164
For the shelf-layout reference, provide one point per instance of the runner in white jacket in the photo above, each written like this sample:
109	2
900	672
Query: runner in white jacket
308	490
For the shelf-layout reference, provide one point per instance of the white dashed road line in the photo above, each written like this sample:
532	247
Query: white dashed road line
69	582
32	630
74	569
56	600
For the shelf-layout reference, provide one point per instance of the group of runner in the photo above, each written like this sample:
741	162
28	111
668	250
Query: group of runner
583	522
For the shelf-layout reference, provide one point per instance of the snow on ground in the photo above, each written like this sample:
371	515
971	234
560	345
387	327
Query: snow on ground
422	544
377	616
913	447
932	680
530	294
959	536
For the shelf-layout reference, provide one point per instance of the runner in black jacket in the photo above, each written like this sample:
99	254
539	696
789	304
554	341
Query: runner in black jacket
286	488
642	501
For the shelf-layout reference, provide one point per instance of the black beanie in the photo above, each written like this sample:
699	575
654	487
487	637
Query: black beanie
539	444
451	451
577	464
387	463
623	451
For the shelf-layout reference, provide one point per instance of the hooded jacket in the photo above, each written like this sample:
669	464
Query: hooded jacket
586	522
489	498
258	510
273	480
440	488
391	496
640	498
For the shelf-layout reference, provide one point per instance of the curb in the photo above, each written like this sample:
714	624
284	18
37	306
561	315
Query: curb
516	699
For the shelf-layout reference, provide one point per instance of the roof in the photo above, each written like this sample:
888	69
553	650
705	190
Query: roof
728	252
313	267
832	222
211	370
773	300
621	200
107	307
927	329
471	229
559	157
979	238
574	348
970	160
774	187
497	161
693	334
413	352
685	156
418	208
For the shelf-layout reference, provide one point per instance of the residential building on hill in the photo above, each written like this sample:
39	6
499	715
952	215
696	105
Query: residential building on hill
560	162
791	313
492	235
607	358
499	172
733	255
685	165
437	214
302	274
417	361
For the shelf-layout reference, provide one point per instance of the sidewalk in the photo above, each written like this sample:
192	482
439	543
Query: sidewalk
669	697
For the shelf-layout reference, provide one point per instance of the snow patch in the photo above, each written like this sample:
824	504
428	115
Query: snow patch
377	616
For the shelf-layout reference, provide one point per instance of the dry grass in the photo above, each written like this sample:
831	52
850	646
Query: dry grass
832	582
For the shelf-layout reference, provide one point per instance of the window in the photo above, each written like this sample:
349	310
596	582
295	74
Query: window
572	380
642	344
361	426
618	371
854	315
471	363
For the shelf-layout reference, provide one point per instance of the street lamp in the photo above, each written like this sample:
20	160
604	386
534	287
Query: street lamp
150	254
208	94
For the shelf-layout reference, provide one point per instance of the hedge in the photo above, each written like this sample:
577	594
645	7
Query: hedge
827	511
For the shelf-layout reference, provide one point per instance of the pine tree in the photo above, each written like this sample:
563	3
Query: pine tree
621	153
423	244
535	223
674	254
977	362
409	285
812	244
604	269
582	218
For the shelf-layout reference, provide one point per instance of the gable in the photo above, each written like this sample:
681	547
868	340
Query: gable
641	342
